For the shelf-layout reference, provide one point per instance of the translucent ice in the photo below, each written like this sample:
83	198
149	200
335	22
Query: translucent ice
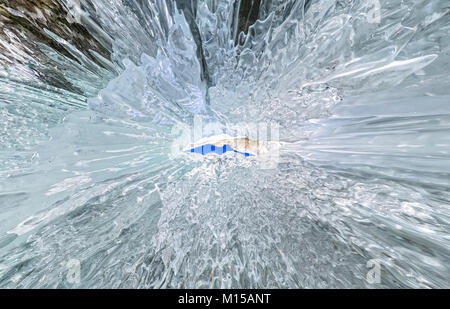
93	99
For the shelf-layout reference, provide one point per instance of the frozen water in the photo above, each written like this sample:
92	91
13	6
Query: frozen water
92	103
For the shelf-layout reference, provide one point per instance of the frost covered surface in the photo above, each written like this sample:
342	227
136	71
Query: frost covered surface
88	127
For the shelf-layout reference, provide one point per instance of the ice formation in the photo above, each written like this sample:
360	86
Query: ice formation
94	94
